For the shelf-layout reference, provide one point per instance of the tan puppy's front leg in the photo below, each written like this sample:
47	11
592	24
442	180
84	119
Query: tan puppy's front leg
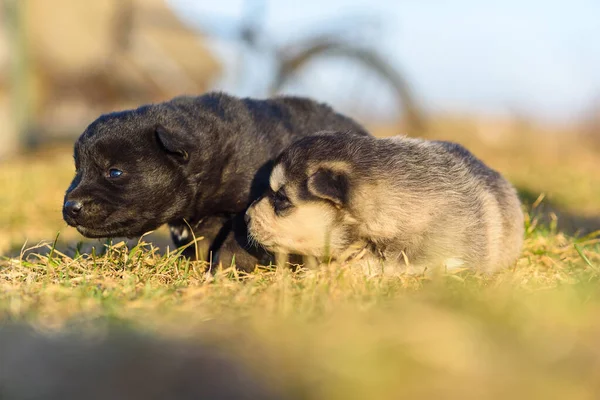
310	262
281	259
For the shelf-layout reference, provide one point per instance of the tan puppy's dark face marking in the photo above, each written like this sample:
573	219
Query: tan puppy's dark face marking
302	214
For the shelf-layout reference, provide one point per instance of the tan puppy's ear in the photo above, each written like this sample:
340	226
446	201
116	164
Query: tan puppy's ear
330	185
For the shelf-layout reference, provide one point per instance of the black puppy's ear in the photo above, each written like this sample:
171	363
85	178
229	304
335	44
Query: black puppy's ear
330	185
173	142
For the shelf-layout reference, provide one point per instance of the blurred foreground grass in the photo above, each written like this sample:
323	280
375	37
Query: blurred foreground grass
529	332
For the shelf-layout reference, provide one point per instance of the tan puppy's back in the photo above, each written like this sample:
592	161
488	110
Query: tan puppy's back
449	211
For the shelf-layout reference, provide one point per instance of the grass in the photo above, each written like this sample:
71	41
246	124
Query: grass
528	332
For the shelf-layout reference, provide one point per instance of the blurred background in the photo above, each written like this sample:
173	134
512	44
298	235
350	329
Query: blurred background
516	81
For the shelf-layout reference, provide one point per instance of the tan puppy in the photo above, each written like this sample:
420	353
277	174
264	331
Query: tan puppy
398	204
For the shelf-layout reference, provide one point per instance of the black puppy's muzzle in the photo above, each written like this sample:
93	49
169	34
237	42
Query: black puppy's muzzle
72	209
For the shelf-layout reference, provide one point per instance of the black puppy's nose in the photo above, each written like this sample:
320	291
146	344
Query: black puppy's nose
246	218
73	208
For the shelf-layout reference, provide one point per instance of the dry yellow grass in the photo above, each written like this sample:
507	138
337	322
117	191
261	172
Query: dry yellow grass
332	333
528	332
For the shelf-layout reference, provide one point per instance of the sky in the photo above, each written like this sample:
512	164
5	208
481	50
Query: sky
538	58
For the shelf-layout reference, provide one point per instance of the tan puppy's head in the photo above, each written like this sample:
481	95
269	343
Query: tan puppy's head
305	209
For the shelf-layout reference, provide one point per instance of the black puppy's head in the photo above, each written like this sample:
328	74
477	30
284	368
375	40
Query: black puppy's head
131	174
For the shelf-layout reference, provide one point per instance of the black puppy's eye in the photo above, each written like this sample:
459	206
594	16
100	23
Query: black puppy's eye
114	173
281	201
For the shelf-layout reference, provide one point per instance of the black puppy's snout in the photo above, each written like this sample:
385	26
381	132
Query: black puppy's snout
246	218
73	208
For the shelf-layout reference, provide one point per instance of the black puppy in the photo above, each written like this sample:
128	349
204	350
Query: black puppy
191	160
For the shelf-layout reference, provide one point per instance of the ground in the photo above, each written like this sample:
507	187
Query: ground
528	332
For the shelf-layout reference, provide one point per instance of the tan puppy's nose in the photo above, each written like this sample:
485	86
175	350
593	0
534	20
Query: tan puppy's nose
247	217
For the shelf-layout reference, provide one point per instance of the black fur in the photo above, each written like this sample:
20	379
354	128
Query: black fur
192	160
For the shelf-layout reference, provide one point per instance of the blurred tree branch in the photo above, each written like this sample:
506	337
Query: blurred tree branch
19	77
